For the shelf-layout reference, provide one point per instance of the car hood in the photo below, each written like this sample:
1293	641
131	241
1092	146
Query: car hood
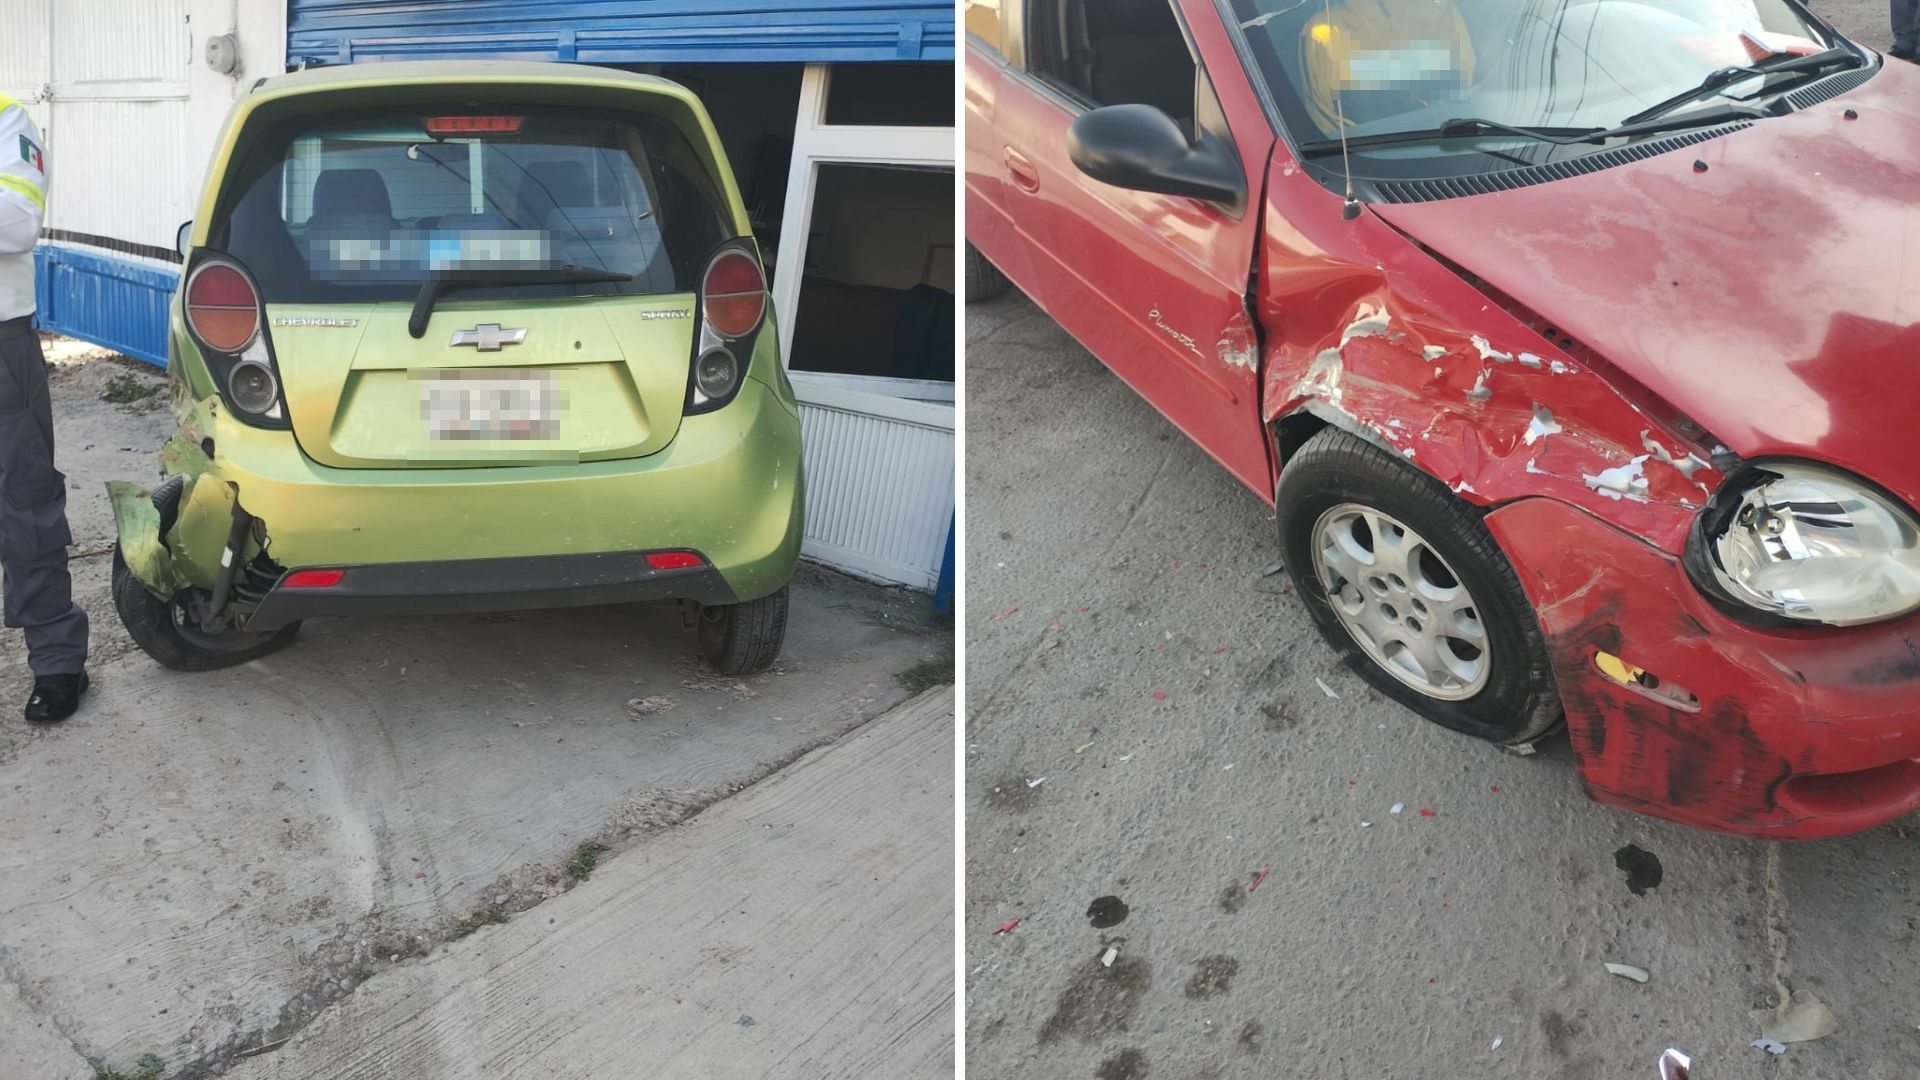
1773	297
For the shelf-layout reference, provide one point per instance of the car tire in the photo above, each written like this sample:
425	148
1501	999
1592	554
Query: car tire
738	639
152	624
1348	508
984	280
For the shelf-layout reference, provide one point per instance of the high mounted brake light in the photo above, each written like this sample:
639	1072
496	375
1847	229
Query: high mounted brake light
473	125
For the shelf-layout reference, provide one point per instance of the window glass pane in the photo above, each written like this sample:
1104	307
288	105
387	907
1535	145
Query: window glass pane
891	95
983	22
361	206
876	297
1113	52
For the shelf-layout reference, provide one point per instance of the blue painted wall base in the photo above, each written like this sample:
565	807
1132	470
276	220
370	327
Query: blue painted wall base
118	303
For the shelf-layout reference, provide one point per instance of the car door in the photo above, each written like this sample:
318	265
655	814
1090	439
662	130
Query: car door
1154	285
992	47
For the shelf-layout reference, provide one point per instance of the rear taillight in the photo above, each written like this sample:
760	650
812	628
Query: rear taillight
733	308
224	315
222	309
733	295
312	579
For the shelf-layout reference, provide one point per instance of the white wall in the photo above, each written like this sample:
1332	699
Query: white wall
126	102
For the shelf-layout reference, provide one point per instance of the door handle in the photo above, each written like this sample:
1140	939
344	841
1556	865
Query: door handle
1025	176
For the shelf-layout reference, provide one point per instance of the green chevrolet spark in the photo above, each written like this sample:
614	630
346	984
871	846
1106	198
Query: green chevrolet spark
466	337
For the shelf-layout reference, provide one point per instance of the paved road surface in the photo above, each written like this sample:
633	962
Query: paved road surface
798	930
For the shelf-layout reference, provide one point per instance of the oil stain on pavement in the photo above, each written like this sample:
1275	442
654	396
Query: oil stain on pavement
1642	868
1107	911
1100	1000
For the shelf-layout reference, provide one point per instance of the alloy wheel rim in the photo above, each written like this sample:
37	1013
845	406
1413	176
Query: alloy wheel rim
1401	602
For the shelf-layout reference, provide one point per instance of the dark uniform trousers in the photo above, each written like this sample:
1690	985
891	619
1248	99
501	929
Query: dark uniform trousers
1906	25
36	588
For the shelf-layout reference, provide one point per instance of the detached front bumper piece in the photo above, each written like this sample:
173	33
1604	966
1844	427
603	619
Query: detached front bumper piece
1677	710
476	585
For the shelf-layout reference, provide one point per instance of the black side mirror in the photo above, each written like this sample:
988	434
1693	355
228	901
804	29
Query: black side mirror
183	240
1140	148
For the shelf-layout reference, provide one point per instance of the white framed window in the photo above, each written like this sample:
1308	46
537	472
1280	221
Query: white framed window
863	277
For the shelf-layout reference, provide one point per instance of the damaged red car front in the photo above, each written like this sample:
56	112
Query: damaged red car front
1583	352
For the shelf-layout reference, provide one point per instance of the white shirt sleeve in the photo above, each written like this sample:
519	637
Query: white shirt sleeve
23	180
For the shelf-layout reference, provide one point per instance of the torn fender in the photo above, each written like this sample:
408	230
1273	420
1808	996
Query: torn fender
142	549
189	554
1790	736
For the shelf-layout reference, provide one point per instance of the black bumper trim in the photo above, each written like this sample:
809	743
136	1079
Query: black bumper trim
478	585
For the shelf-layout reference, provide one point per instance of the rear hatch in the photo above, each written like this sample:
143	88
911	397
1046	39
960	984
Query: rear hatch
563	246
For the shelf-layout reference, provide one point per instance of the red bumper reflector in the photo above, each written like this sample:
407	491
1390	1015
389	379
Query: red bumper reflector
674	560
472	125
312	579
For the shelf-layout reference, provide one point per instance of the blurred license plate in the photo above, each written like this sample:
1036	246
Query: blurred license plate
489	405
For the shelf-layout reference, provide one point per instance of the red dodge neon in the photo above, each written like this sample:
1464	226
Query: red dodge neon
1574	343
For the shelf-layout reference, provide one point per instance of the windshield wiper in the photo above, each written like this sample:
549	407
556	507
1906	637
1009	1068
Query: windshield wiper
441	281
1725	77
1471	126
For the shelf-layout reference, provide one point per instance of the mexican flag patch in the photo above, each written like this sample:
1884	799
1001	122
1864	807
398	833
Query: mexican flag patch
30	154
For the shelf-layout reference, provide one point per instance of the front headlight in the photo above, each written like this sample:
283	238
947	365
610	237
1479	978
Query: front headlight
1809	545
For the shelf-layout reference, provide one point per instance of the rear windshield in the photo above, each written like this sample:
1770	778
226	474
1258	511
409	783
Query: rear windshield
364	205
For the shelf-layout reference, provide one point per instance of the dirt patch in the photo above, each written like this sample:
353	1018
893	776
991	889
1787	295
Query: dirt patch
1250	1036
1128	1064
1212	977
1099	1000
1233	897
1013	793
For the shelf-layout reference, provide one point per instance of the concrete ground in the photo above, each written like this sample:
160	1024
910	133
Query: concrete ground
1147	736
764	938
197	865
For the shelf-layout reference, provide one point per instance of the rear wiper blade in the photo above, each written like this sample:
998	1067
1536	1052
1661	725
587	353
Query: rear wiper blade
1470	126
1726	77
442	281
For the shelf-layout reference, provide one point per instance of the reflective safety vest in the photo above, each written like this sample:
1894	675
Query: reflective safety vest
23	206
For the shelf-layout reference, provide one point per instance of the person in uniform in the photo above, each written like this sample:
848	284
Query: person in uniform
1906	30
35	588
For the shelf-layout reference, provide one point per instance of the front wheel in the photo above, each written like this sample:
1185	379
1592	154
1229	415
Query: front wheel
1405	580
738	639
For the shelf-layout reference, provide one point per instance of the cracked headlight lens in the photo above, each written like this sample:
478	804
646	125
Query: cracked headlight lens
1809	544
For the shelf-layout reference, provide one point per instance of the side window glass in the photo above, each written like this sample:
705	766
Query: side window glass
983	23
1113	52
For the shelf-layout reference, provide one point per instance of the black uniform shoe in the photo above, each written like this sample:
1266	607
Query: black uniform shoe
1902	54
55	697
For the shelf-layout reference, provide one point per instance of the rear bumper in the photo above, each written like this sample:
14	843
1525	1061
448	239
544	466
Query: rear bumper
729	486
1789	735
540	581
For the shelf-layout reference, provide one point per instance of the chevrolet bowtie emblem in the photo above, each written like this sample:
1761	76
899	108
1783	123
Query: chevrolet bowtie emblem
488	337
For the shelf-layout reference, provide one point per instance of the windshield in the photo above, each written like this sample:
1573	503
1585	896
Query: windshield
1412	65
363	206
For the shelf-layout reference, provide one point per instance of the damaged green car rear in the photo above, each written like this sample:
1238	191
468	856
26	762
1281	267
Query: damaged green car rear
466	337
